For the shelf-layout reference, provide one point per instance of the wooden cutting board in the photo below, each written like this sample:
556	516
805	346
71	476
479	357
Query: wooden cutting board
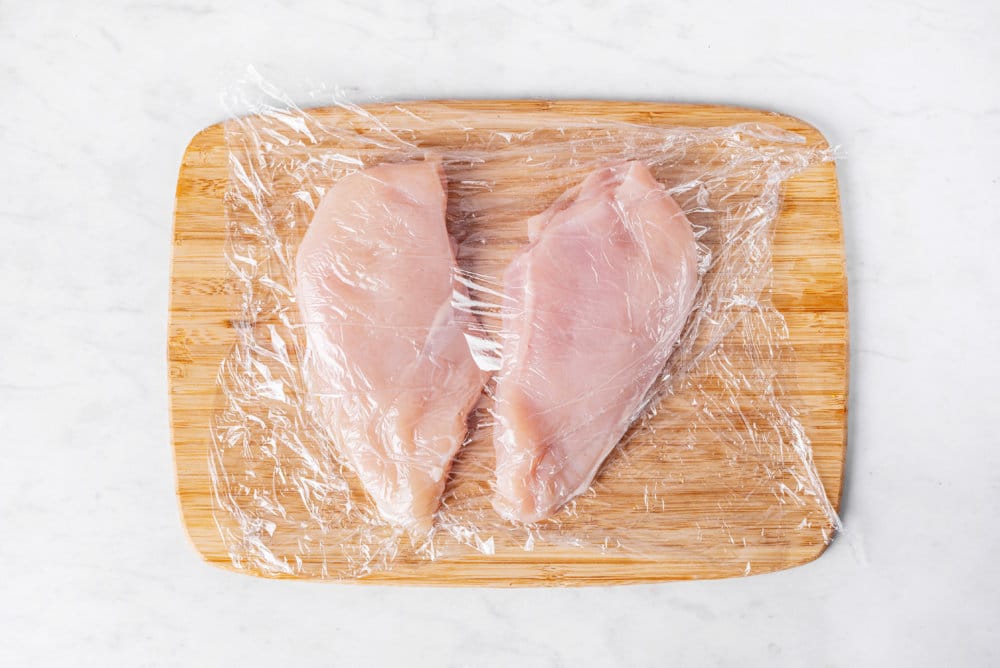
809	289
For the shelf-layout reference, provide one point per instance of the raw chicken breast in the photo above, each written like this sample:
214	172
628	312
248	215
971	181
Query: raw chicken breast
387	361
595	304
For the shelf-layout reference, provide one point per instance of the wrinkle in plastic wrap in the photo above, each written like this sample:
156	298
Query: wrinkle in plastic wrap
714	461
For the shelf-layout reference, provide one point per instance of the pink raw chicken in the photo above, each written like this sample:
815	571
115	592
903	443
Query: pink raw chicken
387	363
595	304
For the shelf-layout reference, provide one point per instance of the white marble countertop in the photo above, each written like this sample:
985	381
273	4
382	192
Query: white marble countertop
98	100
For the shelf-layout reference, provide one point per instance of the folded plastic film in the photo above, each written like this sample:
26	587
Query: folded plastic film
452	319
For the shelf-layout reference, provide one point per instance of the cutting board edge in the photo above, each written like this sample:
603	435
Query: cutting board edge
615	573
571	105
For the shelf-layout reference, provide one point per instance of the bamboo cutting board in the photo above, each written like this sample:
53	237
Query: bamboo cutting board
809	289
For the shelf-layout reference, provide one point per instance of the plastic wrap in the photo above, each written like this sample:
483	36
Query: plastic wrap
488	298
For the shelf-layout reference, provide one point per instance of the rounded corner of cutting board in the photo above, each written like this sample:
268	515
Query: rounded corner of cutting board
803	127
813	135
197	152
199	209
208	136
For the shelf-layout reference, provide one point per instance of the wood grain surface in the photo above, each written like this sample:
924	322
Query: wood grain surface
809	289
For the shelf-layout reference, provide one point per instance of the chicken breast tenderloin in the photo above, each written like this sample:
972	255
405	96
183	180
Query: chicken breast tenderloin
387	363
594	306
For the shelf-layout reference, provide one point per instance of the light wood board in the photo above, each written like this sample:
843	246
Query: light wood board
809	289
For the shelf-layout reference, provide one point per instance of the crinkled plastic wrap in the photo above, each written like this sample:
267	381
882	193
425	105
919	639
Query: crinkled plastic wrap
468	332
